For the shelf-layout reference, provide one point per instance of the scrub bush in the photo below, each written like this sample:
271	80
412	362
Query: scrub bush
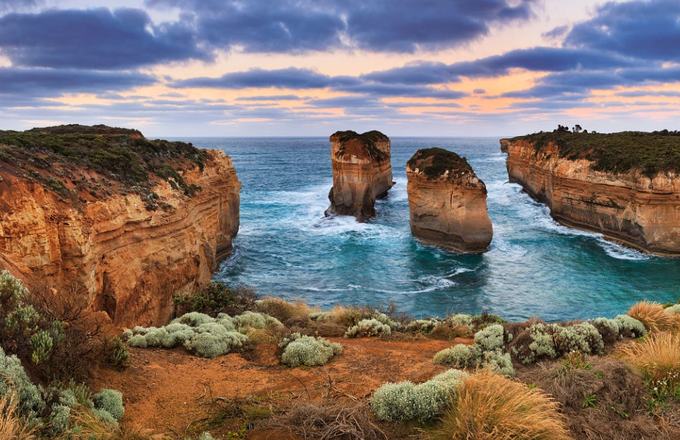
13	379
368	328
211	345
631	327
582	337
459	356
309	351
424	326
110	401
405	401
490	338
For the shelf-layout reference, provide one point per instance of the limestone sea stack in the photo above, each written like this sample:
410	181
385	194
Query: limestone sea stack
623	185
362	173
447	202
125	221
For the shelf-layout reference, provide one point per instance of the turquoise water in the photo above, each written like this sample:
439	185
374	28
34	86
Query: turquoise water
534	267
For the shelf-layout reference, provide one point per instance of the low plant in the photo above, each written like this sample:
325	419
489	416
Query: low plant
110	401
368	328
653	316
216	298
11	424
400	402
488	406
460	356
307	350
490	338
283	310
657	359
423	326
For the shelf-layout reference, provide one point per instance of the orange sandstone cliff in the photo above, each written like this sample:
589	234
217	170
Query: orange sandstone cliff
608	184
447	202
362	173
126	221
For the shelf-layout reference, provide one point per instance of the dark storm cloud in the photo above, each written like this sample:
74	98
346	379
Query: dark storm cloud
376	25
643	29
94	39
50	82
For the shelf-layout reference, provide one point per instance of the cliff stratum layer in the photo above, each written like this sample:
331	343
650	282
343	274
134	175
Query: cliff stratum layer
109	214
447	202
362	173
623	185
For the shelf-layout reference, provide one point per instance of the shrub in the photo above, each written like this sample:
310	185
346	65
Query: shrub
309	351
282	309
424	326
193	319
582	337
631	327
217	298
116	352
498	362
257	321
110	401
535	343
609	329
653	316
674	309
459	356
657	358
13	379
486	319
490	338
489	407
399	402
212	345
368	328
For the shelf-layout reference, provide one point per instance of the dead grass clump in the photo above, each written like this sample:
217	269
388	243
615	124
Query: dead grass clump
350	316
601	397
282	309
91	427
11	425
491	407
329	421
657	358
653	316
448	331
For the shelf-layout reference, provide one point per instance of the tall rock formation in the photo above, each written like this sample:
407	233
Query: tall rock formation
362	173
447	202
126	220
622	185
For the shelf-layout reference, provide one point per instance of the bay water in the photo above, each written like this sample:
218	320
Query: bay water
535	267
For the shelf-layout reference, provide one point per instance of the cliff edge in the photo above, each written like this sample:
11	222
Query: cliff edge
362	173
124	220
447	202
623	185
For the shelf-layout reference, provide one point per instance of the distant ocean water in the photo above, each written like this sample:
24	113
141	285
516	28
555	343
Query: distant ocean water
535	267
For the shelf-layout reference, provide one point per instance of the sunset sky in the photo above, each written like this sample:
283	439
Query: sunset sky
311	67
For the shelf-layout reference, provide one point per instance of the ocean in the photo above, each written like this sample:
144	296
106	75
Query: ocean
535	267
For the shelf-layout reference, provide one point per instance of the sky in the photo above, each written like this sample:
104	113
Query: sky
311	67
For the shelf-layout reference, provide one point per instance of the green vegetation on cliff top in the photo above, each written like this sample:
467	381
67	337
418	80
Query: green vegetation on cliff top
369	139
434	162
52	155
616	152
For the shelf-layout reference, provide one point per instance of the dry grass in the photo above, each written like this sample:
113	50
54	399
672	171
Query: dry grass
11	426
330	421
602	398
657	358
91	427
282	309
450	331
491	407
653	316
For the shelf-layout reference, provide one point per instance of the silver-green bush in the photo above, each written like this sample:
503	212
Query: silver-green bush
499	362
424	326
309	351
368	328
631	324
582	337
399	402
211	345
490	338
459	356
110	401
673	310
13	376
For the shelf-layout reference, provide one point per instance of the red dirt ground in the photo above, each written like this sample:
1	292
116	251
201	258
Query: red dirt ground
173	392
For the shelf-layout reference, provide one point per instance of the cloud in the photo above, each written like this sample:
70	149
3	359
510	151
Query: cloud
556	33
643	29
94	39
53	83
270	98
402	26
15	5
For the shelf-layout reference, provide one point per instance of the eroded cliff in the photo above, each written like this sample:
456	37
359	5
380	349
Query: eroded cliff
362	173
447	202
127	221
623	185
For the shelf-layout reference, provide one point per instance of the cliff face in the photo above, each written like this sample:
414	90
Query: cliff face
631	208
447	202
362	173
128	250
